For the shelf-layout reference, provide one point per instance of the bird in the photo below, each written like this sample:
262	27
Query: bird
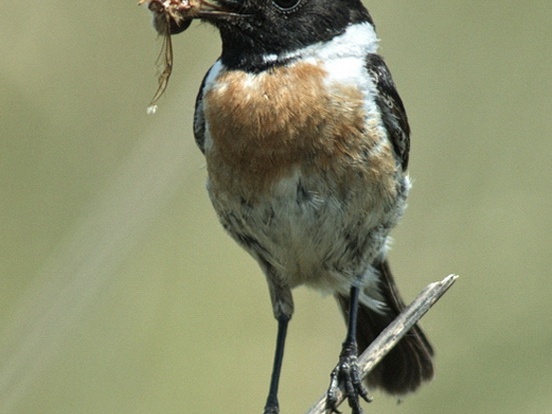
307	142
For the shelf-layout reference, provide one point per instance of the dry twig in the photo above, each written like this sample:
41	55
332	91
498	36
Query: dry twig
393	333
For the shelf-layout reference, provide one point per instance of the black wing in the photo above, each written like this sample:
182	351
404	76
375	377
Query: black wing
199	117
391	107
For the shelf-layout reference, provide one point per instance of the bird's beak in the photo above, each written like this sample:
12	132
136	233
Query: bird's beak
213	8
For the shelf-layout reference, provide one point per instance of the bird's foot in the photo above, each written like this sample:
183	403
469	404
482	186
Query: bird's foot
346	376
272	406
273	409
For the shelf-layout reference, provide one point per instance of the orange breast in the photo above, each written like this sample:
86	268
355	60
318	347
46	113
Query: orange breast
263	125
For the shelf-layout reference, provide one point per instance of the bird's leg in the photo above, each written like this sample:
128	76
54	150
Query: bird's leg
272	406
346	374
282	307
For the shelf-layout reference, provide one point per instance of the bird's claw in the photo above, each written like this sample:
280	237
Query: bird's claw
346	376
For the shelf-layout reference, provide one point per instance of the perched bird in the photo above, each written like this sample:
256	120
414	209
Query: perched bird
306	141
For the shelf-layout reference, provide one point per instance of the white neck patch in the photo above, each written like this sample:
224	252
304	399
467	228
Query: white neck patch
358	40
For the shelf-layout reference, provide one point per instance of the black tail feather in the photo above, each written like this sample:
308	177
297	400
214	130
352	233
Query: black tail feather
409	363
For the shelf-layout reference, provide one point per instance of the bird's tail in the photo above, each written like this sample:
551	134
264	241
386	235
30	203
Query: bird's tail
409	363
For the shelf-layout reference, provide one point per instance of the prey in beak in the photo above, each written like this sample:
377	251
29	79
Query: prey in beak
169	15
175	16
172	17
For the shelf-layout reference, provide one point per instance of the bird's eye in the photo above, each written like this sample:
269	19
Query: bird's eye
286	5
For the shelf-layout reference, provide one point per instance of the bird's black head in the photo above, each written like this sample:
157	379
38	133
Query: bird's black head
253	29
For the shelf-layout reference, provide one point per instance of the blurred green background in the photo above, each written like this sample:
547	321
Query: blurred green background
119	291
